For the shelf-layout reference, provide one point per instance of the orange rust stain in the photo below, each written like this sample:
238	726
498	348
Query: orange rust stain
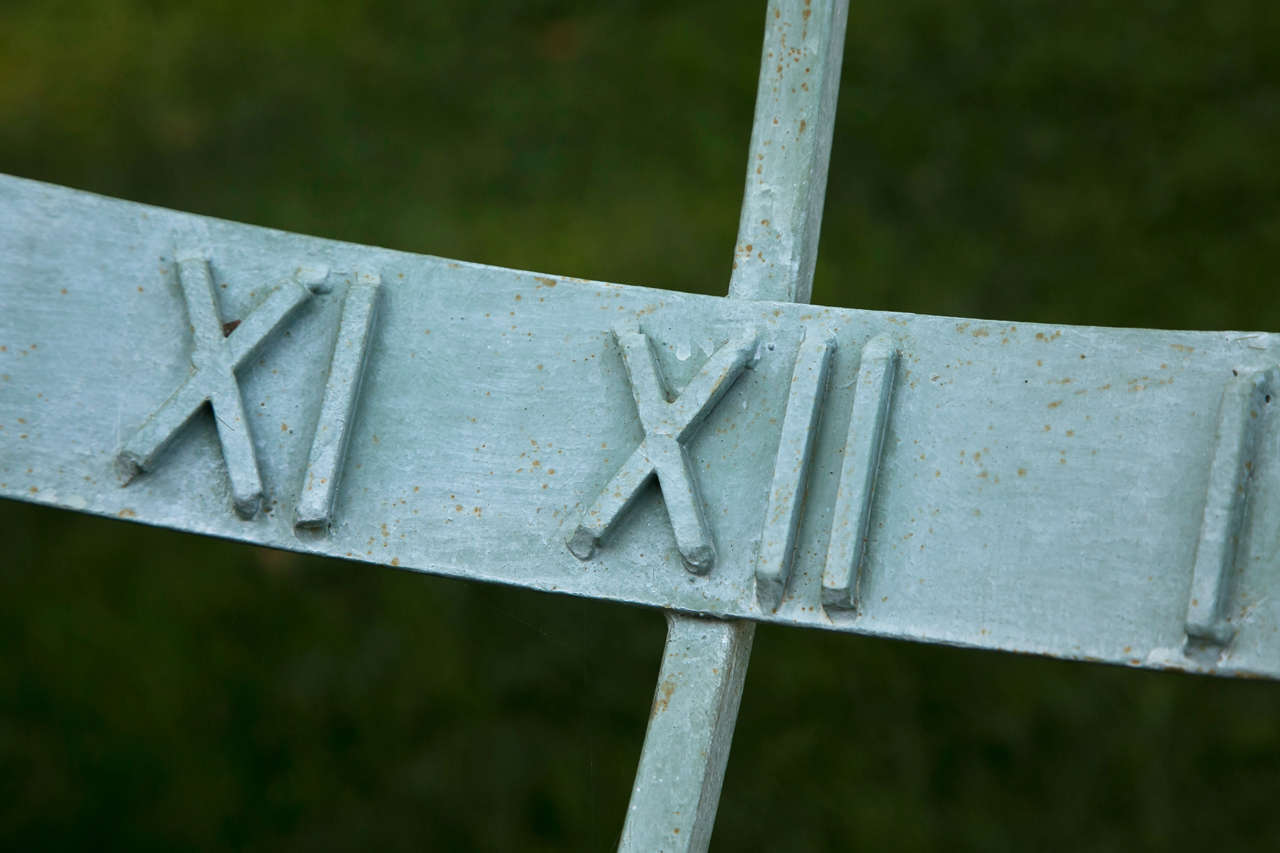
126	513
665	691
1055	404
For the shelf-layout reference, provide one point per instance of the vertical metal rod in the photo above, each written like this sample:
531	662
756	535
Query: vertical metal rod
695	708
686	747
790	149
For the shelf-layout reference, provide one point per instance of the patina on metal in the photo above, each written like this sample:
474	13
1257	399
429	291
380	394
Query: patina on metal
730	460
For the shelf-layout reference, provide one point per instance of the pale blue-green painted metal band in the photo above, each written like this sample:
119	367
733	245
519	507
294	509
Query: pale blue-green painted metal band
1094	445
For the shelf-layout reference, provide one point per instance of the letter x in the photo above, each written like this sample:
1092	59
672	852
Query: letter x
667	425
214	359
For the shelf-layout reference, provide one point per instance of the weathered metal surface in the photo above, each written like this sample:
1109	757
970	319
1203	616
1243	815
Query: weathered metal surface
1241	424
1094	444
686	746
682	765
786	183
338	407
678	781
668	424
791	470
218	350
852	515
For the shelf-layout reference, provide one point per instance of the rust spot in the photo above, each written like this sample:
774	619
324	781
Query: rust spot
665	690
395	561
1055	404
546	282
1022	472
803	123
126	513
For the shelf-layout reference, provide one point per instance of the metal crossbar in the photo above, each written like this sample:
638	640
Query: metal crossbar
740	460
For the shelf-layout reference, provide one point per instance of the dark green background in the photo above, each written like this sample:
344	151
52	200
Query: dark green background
1082	162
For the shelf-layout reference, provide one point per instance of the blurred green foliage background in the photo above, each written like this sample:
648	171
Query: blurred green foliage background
1083	162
